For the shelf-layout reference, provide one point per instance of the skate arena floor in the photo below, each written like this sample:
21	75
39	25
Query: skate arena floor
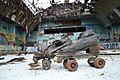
22	71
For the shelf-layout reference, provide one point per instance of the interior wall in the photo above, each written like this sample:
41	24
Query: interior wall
8	30
95	25
116	33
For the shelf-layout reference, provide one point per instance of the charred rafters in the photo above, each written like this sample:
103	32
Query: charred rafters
33	5
67	9
17	8
61	9
89	5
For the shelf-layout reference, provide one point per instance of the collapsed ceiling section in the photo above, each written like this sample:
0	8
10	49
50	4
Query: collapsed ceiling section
18	12
59	8
48	8
29	13
68	9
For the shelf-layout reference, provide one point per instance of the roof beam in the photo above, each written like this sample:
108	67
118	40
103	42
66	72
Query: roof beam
117	12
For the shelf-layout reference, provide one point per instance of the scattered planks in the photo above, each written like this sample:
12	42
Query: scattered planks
19	59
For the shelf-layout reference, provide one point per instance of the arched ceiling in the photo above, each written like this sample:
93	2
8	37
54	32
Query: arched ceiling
104	7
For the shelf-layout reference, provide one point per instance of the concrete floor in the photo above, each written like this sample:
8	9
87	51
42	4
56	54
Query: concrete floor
21	70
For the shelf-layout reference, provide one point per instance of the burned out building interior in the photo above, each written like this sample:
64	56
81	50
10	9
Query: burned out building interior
33	30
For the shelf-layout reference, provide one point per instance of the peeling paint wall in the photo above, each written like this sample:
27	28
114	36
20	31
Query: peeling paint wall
8	31
20	36
8	34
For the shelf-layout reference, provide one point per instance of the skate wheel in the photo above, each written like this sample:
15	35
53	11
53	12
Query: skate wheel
72	65
99	63
64	63
46	64
91	61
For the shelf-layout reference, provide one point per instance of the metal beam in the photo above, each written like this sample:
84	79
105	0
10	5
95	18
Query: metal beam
117	12
20	14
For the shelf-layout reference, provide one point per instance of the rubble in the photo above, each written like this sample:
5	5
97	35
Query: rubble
12	61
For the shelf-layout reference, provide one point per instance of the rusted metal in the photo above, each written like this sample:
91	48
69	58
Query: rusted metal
64	63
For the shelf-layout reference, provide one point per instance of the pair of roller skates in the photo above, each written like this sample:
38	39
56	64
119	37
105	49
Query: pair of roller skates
87	41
